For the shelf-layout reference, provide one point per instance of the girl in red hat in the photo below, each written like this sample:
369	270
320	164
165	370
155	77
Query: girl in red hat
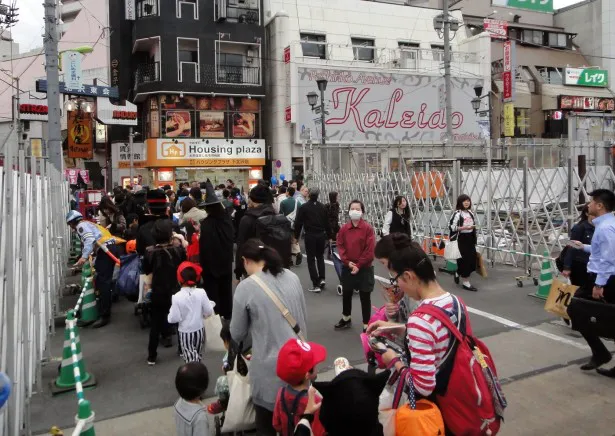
190	305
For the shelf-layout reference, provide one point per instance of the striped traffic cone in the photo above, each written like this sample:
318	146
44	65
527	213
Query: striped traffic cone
88	313
546	279
86	413
66	380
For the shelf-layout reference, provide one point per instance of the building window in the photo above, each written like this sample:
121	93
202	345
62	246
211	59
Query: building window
438	52
187	4
188	59
314	45
363	49
535	37
146	8
551	75
522	122
239	11
558	40
409	54
237	64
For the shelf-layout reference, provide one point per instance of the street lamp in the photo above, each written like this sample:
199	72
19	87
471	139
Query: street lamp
312	98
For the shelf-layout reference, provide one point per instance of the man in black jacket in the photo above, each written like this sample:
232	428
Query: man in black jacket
157	205
313	217
260	205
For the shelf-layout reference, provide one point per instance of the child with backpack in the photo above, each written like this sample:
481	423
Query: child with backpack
296	367
189	306
446	362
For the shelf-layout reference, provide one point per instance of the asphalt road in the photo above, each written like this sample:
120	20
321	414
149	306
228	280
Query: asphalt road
525	342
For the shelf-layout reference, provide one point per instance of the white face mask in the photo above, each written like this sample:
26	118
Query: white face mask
355	215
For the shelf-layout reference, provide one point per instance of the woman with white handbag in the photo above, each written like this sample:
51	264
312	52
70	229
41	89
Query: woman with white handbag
462	228
270	307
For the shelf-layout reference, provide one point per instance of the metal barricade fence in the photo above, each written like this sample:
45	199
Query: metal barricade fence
526	194
33	253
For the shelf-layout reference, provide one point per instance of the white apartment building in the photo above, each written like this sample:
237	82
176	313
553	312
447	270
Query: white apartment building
384	66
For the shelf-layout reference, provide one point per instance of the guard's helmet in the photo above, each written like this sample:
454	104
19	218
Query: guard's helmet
73	215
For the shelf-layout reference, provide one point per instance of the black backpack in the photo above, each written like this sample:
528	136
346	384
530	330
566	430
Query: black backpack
275	231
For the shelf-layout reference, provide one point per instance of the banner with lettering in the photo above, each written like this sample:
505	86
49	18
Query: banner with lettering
72	175
80	135
373	106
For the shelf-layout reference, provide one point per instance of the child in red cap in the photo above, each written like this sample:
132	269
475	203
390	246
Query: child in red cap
190	305
296	366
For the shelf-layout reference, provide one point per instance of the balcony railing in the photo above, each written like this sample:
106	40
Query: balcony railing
147	73
242	14
238	75
146	8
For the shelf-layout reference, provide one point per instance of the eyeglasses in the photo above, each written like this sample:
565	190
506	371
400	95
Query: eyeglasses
393	280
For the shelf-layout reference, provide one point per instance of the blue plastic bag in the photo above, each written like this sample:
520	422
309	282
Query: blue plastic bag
128	279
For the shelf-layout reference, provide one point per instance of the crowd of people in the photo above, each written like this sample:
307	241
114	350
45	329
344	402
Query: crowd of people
195	241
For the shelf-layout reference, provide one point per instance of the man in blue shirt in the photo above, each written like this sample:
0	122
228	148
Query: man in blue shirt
601	269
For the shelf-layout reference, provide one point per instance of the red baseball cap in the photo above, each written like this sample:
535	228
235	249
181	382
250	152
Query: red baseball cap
296	358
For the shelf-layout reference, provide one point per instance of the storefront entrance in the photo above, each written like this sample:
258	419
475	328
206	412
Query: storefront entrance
217	176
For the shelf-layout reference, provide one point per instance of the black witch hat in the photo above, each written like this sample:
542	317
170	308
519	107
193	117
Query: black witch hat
210	195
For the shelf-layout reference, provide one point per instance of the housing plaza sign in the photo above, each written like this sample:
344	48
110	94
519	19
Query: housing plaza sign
376	106
205	152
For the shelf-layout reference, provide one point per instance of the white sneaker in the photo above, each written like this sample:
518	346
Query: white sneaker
315	289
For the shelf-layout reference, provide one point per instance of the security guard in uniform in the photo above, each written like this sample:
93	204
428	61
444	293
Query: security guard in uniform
103	264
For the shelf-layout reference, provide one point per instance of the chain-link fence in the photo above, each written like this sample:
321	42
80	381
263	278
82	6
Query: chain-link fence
526	194
33	253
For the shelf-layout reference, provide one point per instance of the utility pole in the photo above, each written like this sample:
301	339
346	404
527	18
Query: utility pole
131	140
54	135
447	71
17	117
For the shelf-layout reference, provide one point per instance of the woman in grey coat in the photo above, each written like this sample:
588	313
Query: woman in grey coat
255	311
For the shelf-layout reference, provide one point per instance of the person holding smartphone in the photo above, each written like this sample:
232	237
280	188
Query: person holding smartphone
462	228
601	270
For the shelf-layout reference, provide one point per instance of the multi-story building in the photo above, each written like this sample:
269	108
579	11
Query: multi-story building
195	70
383	62
551	49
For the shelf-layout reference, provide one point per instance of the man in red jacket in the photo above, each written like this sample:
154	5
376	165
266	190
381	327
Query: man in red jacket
355	245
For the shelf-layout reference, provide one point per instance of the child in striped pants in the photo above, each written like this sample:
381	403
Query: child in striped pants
190	305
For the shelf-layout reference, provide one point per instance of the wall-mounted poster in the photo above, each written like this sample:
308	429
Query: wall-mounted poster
211	104
211	124
243	104
178	124
174	101
243	125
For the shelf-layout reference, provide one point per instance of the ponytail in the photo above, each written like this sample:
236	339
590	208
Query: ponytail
256	250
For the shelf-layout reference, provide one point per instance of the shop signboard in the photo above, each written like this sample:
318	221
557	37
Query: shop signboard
205	153
116	115
120	155
591	77
586	103
80	135
364	105
509	120
497	29
33	109
534	5
509	69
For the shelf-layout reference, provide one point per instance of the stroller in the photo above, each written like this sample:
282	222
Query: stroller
338	265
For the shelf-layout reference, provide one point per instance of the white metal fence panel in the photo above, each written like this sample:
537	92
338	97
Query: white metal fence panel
33	254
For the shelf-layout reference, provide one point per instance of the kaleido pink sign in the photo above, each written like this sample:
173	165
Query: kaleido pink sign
380	107
72	175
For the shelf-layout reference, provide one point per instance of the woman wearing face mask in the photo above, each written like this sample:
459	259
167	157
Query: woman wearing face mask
355	245
397	220
463	229
255	315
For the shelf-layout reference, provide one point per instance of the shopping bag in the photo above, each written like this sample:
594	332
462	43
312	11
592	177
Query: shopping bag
451	250
559	298
481	269
213	326
388	406
419	417
240	414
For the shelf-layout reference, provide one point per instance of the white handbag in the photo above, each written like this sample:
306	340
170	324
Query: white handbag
451	250
240	414
213	326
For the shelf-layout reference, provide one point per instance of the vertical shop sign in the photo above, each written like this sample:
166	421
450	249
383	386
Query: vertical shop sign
80	135
508	76
509	120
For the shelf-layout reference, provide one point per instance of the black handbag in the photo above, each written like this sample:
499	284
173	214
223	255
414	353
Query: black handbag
597	317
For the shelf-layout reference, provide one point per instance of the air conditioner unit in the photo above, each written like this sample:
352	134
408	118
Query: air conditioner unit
252	54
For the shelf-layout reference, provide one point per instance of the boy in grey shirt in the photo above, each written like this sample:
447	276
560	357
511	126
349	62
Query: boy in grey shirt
191	383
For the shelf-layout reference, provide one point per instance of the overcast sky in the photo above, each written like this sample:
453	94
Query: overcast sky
29	29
